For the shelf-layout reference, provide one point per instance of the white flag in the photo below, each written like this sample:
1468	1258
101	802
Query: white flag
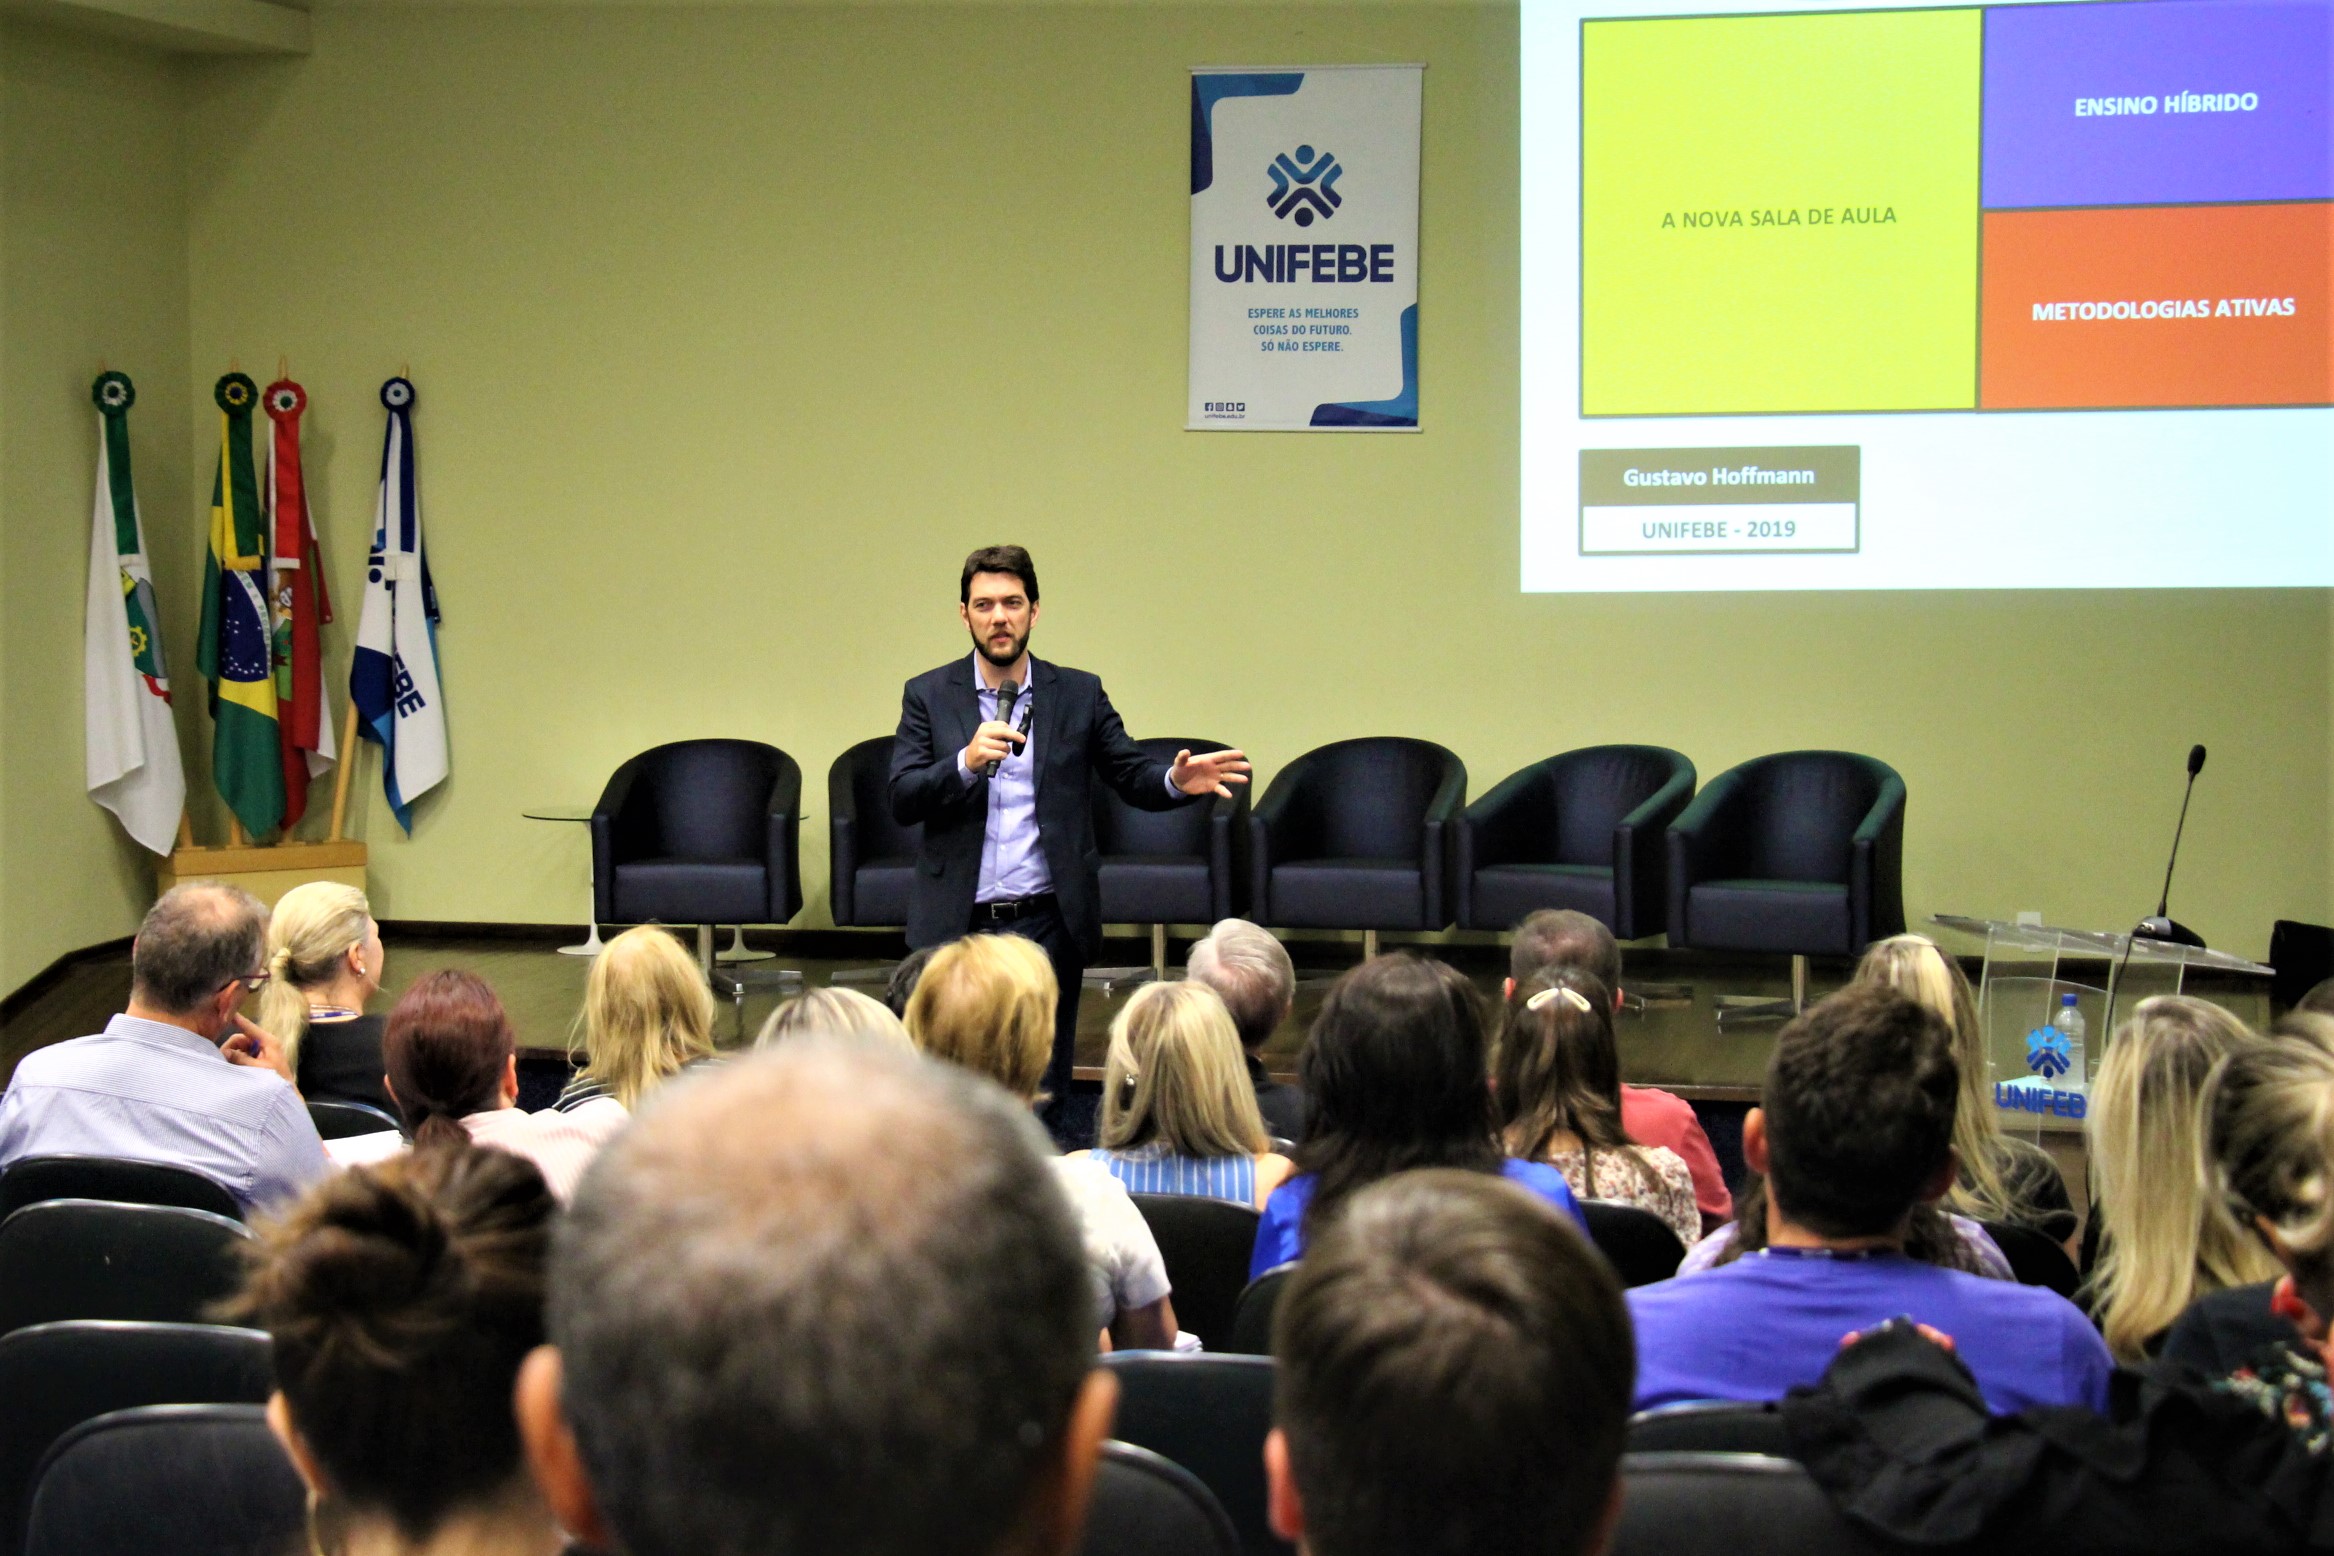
132	745
393	676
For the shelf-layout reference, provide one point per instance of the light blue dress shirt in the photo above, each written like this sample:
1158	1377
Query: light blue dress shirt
149	1092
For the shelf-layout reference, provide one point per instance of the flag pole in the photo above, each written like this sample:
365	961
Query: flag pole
185	830
348	764
235	837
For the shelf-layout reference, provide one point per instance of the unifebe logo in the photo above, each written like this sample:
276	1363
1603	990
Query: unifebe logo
2047	1053
1304	185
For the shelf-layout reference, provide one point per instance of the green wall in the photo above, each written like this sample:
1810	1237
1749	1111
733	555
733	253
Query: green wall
734	328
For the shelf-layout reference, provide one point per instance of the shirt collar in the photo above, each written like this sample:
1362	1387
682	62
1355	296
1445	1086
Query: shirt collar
161	1032
981	688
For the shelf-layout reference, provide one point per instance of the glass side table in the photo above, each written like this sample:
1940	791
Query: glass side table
591	944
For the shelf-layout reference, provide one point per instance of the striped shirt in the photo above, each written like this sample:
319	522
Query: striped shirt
1153	1169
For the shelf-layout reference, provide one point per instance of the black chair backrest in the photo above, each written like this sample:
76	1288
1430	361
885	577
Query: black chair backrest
867	767
1209	1414
1803	808
1710	1427
1252	1318
1120	828
189	1480
87	1258
339	1120
1205	1244
1146	1505
2034	1259
31	1179
56	1376
703	799
1729	1504
1594	788
2303	957
1369	797
1638	1244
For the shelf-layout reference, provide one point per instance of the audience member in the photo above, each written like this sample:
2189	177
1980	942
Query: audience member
1561	938
1395	1077
986	1003
647	1015
1557	1083
179	1077
914	1377
1454	1367
1251	972
400	1300
1178	1113
1855	1129
833	1012
454	1074
901	985
2164	1240
324	961
2003	1178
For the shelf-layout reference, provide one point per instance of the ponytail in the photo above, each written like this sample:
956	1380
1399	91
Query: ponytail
283	1004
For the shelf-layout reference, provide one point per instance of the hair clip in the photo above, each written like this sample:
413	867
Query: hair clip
1571	996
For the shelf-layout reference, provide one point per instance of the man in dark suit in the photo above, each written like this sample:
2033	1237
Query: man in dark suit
992	757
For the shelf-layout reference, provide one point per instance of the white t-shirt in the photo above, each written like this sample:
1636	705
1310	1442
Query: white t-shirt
1121	1254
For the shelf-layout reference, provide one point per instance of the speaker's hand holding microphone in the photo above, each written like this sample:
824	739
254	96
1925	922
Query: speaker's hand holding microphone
996	739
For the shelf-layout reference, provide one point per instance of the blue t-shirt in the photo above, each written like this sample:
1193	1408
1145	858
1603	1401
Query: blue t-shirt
1280	1236
1753	1329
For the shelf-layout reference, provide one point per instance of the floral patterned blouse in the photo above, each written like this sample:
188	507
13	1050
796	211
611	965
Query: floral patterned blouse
1617	1180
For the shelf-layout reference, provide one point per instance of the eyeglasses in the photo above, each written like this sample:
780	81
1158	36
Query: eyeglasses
251	980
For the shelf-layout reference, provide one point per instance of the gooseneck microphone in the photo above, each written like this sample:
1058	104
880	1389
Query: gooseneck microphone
2160	925
1010	692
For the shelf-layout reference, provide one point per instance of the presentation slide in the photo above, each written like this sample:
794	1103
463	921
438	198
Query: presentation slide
2018	296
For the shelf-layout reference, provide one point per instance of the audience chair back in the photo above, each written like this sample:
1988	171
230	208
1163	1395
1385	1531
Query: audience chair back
1730	1504
2034	1259
1179	866
1210	1414
1354	836
53	1377
340	1120
871	859
1252	1315
190	1480
700	832
86	1258
1146	1506
1205	1244
1585	830
1637	1243
1711	1426
1801	852
31	1179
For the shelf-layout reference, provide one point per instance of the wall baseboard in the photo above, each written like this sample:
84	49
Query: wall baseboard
21	998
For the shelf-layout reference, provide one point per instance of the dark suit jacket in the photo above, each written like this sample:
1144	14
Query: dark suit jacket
1075	730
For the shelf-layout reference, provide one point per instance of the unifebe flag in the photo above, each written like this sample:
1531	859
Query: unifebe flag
296	588
132	746
236	648
394	677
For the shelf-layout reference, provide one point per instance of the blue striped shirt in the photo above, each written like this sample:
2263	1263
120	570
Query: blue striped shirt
1152	1169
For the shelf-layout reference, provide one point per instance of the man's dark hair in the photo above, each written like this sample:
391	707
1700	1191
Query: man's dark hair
902	983
195	940
1859	1101
1560	937
998	559
1455	1374
824	1299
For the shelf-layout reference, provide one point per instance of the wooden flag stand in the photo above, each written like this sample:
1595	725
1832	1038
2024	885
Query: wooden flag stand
268	871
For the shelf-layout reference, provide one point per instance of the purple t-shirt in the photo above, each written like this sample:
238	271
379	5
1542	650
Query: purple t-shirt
1753	1329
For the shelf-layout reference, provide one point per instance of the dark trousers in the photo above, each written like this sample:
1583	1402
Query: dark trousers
1044	924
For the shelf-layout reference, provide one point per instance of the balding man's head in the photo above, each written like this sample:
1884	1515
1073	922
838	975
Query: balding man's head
195	940
828	1299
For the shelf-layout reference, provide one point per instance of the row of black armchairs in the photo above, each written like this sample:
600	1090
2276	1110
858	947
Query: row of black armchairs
1800	852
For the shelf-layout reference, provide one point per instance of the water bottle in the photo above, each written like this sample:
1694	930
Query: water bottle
2069	1022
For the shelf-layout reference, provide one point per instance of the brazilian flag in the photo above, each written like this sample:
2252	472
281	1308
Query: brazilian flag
236	649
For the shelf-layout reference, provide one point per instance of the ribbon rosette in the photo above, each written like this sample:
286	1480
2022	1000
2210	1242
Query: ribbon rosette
113	393
236	393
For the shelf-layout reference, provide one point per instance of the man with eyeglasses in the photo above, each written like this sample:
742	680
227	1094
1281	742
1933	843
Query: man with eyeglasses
179	1078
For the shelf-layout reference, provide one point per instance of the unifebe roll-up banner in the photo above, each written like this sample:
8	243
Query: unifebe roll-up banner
1304	249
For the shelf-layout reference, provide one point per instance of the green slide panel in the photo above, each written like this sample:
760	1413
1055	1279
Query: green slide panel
1779	213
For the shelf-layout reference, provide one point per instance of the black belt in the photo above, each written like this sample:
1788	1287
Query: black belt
1012	908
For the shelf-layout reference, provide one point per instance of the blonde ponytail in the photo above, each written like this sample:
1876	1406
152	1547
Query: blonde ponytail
312	928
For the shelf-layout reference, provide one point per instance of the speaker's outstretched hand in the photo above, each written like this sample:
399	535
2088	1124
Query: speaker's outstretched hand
1213	773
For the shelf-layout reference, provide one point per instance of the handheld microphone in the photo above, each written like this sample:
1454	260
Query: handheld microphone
2160	925
1010	693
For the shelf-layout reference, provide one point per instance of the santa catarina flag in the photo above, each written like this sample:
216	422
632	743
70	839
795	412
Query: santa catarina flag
393	679
296	587
236	647
131	744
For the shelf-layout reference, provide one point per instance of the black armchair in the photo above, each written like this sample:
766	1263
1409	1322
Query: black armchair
1162	867
1801	852
1352	836
700	832
1582	830
871	859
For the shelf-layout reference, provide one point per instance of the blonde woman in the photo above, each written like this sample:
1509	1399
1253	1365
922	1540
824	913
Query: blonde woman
833	1012
2003	1178
2164	1240
986	1003
1179	1113
647	1015
324	961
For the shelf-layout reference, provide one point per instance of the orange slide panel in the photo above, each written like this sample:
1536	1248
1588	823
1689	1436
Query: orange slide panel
2158	306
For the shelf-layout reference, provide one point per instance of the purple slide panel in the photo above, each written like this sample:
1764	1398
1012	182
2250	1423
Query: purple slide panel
2158	102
